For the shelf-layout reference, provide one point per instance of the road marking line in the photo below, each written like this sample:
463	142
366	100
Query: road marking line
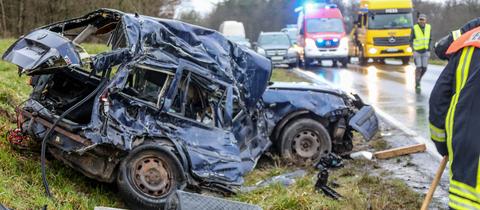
431	149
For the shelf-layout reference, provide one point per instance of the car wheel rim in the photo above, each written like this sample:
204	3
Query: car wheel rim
152	177
306	145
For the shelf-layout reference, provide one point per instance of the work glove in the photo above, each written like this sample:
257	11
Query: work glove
442	45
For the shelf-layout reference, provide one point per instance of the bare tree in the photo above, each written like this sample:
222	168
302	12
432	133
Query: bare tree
20	16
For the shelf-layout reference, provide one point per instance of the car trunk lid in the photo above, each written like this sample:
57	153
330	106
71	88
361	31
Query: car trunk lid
42	48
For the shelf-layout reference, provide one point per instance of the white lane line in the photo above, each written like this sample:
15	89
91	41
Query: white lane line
391	120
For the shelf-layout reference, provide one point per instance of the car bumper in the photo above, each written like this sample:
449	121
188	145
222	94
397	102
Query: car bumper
283	60
389	51
316	53
365	122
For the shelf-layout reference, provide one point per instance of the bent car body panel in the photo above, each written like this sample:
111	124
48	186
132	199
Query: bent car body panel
39	47
320	99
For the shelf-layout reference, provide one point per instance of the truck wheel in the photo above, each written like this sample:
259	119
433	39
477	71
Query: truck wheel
405	61
304	141
148	175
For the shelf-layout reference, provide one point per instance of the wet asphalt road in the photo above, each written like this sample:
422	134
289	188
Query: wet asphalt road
390	87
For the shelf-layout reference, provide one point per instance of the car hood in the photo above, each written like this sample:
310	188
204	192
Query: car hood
304	86
274	47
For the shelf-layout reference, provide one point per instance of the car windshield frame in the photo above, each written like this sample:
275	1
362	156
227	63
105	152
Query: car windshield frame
324	25
274	39
380	21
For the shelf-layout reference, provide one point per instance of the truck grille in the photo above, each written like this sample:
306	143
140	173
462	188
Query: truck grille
391	41
276	52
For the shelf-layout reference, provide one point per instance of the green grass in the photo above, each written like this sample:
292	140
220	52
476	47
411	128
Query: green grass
359	189
284	75
20	177
21	186
437	62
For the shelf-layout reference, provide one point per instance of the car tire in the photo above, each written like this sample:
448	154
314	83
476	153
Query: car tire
304	142
148	176
405	61
345	62
308	62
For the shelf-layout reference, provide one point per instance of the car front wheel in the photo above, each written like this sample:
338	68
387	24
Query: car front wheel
148	175
304	142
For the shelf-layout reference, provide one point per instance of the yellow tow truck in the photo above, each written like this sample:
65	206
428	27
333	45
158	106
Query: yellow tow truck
382	30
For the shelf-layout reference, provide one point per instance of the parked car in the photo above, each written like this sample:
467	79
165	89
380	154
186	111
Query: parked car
277	47
172	115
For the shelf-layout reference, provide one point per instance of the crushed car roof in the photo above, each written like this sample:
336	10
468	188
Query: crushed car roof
163	43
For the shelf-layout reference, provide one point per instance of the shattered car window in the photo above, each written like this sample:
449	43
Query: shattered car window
148	85
200	101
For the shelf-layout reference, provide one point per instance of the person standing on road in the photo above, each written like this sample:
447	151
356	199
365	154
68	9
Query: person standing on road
420	40
454	114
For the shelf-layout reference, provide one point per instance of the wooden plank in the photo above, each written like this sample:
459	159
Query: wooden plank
400	151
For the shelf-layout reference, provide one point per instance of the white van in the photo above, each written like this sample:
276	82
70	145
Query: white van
235	32
232	28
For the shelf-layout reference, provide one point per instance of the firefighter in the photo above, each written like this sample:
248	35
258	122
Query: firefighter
454	112
420	40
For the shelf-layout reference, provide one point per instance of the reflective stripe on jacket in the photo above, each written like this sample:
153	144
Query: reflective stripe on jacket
455	130
422	38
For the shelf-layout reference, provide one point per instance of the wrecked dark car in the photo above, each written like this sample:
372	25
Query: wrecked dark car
171	106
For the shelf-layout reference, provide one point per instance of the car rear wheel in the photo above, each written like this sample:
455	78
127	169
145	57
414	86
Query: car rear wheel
148	175
304	142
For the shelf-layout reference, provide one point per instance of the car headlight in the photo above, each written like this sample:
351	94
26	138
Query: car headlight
261	51
409	49
292	51
344	43
310	43
373	50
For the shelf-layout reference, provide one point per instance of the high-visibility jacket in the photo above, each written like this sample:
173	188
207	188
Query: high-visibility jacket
422	38
454	119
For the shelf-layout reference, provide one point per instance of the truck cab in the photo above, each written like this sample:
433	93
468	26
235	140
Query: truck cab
382	30
322	34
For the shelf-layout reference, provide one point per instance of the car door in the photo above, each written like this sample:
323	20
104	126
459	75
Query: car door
198	111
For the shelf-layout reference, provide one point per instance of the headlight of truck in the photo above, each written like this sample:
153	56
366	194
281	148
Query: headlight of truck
261	51
310	43
373	50
409	50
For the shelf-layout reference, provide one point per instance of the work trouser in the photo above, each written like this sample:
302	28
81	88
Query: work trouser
421	62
